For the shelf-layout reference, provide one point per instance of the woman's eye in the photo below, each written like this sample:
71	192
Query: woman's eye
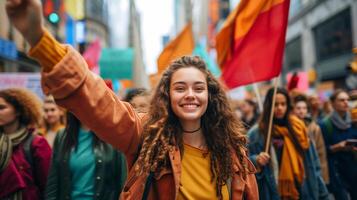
200	89
180	89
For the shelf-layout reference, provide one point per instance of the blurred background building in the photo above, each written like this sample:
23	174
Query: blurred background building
319	41
320	38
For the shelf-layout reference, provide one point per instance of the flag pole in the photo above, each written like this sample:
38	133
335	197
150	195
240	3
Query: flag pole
259	98
268	138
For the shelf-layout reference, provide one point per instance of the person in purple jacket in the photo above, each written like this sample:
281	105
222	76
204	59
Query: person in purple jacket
24	156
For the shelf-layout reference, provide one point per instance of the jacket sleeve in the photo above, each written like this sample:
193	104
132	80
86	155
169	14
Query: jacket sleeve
53	180
321	150
251	190
254	148
42	158
320	184
86	95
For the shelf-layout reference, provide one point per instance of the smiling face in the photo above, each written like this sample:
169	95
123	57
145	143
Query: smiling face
188	94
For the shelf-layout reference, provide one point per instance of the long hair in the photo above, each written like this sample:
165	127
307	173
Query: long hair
26	103
71	134
162	132
264	118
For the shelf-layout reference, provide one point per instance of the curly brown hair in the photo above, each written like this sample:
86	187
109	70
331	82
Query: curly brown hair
26	103
162	132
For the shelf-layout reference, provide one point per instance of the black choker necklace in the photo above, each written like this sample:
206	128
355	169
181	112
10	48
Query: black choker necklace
194	131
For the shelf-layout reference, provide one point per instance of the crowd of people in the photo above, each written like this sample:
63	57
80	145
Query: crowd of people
181	141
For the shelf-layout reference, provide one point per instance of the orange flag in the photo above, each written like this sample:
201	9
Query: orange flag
182	45
251	42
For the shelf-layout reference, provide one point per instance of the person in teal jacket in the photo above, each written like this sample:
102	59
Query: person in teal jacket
84	167
291	169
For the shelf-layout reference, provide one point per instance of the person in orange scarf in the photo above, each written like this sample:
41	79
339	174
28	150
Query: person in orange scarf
291	169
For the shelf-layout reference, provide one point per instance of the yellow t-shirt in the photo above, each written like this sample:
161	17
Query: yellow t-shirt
196	176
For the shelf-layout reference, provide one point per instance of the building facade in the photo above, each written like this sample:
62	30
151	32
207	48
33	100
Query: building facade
320	38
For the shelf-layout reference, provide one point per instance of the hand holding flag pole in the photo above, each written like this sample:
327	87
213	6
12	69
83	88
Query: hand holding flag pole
270	127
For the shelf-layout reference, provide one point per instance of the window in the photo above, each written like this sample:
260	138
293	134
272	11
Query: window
334	36
293	57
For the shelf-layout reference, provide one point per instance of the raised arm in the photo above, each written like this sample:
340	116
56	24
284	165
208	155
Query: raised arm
66	76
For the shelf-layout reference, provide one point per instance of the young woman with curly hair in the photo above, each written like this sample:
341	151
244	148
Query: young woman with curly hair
189	145
24	157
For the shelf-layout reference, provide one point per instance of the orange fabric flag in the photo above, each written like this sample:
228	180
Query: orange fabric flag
182	45
251	42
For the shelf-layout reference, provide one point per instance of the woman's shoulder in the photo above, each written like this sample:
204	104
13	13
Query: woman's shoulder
253	132
39	141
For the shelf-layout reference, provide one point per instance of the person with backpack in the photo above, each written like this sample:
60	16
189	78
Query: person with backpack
339	133
190	145
83	166
24	156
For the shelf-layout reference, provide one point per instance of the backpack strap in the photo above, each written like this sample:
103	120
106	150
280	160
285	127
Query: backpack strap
27	149
329	127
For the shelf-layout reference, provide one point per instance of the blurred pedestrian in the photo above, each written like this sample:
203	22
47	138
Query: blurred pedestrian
250	113
314	133
337	129
53	120
83	166
139	98
315	108
290	170
190	147
24	156
326	108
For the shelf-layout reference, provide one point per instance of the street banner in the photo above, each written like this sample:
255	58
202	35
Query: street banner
31	81
116	63
182	45
251	42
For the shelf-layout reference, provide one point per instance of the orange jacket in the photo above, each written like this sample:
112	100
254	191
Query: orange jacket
86	95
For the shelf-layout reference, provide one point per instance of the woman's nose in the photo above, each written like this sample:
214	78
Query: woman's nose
190	94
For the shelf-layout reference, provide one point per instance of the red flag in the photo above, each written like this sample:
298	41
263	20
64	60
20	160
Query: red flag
251	43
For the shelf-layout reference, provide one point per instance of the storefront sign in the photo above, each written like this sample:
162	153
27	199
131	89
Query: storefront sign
8	49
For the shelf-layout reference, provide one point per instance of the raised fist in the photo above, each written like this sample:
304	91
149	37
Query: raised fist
26	17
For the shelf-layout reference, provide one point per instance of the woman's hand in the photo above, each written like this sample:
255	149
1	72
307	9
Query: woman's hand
341	146
263	159
26	16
